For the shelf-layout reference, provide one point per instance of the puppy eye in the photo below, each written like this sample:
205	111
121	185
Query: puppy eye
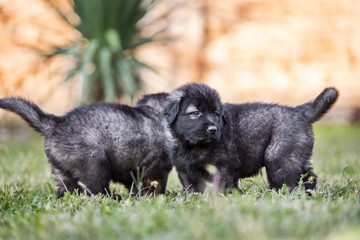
196	114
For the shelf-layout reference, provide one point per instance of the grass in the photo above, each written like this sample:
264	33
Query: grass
29	209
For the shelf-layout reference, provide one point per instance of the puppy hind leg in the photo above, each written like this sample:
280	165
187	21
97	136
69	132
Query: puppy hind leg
65	184
286	158
92	188
283	169
95	174
277	177
95	185
310	179
155	182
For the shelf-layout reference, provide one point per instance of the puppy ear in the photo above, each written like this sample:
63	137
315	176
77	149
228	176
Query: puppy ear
171	110
172	107
224	120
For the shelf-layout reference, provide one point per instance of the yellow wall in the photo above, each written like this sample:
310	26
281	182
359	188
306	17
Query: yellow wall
279	51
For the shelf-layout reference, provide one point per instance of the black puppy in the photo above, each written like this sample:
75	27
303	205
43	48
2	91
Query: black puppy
94	144
195	116
255	135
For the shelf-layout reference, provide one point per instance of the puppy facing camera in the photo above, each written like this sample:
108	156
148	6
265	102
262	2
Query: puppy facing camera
102	142
240	139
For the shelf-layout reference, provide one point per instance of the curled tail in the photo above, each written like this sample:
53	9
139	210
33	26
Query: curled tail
31	113
315	109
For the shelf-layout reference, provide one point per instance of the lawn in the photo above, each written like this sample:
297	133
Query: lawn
29	209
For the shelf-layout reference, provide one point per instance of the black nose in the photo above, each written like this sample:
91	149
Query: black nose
212	130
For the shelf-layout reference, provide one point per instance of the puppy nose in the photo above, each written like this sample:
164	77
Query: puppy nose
212	130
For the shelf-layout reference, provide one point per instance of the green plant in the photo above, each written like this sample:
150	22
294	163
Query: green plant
105	55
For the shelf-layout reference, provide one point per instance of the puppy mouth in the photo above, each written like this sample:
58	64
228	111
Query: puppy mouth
205	141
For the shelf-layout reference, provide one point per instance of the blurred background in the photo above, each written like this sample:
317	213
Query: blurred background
62	53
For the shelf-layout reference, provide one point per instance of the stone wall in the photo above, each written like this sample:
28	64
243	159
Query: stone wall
26	32
283	51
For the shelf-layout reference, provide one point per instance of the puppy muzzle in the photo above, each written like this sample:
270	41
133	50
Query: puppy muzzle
212	130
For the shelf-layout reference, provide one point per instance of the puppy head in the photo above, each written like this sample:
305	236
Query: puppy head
195	114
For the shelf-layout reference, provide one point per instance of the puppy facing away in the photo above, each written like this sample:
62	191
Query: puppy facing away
102	142
240	139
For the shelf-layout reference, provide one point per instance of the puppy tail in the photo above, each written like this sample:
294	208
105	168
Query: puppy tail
315	109
31	113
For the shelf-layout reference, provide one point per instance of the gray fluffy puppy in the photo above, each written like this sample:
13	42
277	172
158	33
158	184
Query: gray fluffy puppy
240	139
94	144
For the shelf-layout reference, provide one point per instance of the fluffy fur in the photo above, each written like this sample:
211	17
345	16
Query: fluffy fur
255	135
94	144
